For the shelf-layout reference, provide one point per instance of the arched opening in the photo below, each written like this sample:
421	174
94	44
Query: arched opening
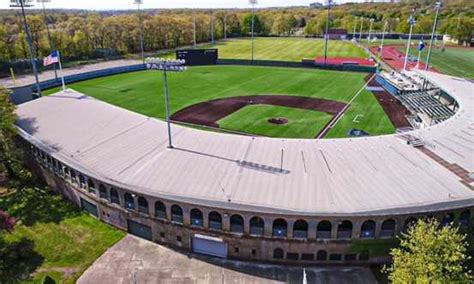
388	228
129	202
322	255
102	192
300	229
160	210
73	177
447	219
257	226
114	196
279	228
409	223
344	230
278	253
143	205
196	218
237	224
324	230
215	220
367	230
465	219
91	185
82	181
67	172
176	214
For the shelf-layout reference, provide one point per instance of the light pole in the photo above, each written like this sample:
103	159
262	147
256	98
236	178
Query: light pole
138	3
326	35
370	31
166	66
225	26
212	28
361	25
383	37
194	30
253	3
48	32
411	22
355	26
428	57
22	4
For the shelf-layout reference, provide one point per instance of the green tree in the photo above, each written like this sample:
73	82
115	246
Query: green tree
430	254
11	157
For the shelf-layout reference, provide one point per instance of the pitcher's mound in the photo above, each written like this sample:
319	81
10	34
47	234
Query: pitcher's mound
278	120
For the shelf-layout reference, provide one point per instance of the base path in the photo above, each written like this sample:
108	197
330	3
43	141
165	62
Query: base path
134	260
209	112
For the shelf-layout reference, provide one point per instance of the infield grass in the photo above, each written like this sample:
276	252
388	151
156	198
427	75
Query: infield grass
254	119
283	49
142	92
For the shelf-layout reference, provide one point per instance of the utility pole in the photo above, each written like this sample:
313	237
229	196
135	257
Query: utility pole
326	35
253	3
428	57
48	32
138	3
411	22
22	4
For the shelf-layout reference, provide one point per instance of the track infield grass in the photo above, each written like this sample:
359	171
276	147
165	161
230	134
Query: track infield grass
254	119
142	92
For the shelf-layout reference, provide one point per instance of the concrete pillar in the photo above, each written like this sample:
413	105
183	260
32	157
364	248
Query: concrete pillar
378	228
186	216
356	228
246	225
289	228
335	224
312	227
226	222
205	218
268	227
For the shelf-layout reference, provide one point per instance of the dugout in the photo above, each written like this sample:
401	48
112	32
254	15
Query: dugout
195	57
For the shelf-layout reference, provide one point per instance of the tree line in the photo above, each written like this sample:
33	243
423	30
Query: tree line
84	34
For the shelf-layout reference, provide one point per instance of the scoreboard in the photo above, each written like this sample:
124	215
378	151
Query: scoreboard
198	56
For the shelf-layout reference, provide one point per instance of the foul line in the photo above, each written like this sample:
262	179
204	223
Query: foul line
340	114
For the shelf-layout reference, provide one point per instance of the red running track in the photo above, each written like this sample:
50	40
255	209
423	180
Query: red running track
393	57
345	60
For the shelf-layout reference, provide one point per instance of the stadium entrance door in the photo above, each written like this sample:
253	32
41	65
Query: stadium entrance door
209	245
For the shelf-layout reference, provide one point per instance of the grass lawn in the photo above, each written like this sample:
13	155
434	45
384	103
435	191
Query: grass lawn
455	61
52	238
284	49
142	92
254	119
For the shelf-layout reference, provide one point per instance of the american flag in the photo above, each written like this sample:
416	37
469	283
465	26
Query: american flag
51	59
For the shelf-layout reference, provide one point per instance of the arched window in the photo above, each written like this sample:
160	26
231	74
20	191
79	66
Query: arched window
82	181
215	221
160	210
143	205
322	255
73	177
465	220
102	192
237	224
447	219
367	230
176	214
129	202
278	253
388	228
114	196
324	230
67	172
408	223
196	218
257	226
91	185
344	230
300	229
279	228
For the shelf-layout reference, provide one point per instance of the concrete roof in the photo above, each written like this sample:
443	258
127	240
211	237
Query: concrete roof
362	176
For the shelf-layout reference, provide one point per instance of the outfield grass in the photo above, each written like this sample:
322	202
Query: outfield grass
52	238
142	92
284	49
254	119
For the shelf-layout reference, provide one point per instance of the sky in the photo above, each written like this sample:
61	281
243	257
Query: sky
128	4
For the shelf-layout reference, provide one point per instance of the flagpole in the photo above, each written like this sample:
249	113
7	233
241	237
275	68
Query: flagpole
61	70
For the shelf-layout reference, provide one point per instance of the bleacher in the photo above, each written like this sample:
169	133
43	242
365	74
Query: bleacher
423	102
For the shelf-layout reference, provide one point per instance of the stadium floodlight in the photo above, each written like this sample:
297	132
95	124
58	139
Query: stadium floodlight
326	35
22	4
428	57
194	30
383	37
361	25
370	31
138	3
253	3
355	26
48	32
166	65
411	22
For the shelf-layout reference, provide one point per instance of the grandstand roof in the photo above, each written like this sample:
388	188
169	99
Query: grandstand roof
372	175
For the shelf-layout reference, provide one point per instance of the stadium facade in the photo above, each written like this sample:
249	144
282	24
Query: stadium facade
253	198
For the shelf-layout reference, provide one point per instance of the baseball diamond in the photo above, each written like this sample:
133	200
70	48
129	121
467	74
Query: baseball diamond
253	198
